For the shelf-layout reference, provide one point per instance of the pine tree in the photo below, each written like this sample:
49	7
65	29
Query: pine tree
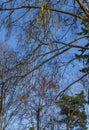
73	107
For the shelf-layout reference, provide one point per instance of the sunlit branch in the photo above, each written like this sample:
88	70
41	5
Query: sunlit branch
86	10
39	7
63	49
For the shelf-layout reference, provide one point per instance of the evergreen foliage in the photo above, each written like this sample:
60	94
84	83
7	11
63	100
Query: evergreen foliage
73	107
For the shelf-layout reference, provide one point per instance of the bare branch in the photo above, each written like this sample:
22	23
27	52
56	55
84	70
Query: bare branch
39	7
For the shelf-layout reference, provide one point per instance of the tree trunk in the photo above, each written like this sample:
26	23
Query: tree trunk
68	121
1	108
38	119
68	126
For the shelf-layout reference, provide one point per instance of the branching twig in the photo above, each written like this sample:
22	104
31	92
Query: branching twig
71	84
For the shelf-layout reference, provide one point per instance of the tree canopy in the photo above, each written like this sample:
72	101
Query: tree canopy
51	57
